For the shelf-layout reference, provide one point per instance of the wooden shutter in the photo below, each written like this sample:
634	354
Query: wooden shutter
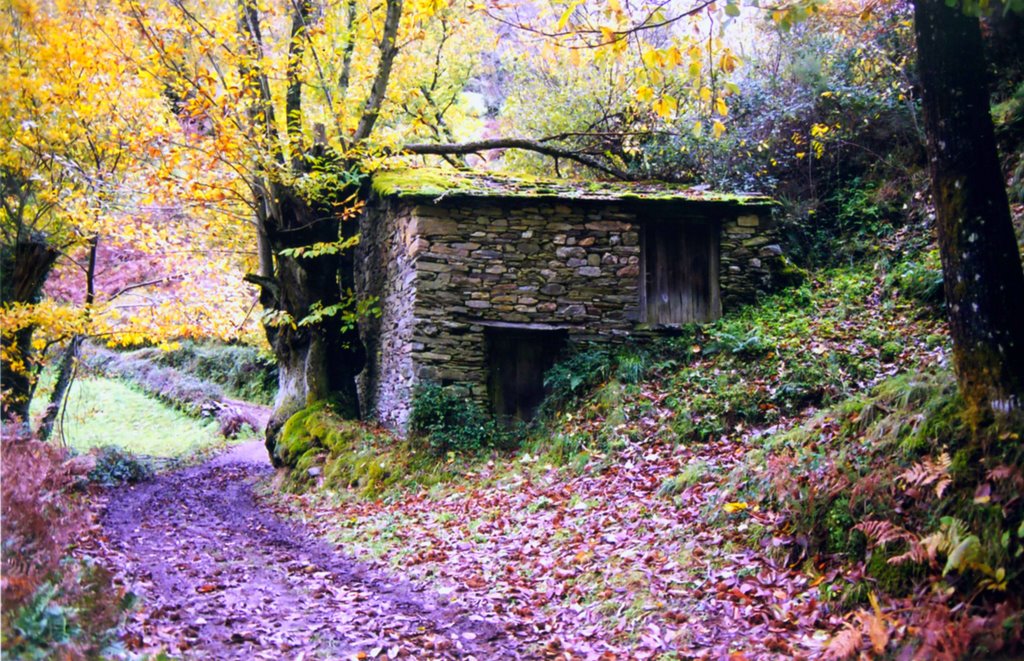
680	267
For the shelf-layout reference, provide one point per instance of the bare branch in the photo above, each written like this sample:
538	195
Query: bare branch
293	95
140	285
538	146
604	36
388	51
348	49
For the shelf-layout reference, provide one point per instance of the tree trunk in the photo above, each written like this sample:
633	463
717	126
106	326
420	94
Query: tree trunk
984	282
66	367
318	361
65	372
23	272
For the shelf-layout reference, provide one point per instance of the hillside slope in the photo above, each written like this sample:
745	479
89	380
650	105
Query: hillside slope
697	497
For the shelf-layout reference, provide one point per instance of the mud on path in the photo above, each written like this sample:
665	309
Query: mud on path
220	578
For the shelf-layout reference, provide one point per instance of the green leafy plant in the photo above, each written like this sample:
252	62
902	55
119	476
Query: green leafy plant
115	467
449	422
919	280
577	374
41	624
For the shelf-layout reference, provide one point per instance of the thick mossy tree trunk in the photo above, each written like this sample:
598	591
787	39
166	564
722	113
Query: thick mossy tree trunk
984	282
320	360
24	268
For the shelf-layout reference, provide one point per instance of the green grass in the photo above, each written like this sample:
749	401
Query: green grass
103	411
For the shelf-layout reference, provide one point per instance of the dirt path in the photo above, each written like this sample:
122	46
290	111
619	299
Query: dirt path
219	578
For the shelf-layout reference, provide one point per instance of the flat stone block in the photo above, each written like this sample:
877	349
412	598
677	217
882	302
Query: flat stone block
575	310
434	226
607	226
437	267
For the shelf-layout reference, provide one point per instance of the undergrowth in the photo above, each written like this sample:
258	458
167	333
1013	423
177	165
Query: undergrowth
243	372
807	347
114	467
895	483
448	422
53	605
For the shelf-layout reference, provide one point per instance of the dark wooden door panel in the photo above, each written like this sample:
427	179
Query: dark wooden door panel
517	360
681	272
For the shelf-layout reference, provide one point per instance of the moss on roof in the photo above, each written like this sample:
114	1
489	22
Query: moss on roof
438	183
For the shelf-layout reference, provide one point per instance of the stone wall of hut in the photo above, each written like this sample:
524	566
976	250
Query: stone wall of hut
446	271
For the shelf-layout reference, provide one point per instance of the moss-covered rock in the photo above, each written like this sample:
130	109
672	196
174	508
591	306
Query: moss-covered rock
786	274
322	447
316	428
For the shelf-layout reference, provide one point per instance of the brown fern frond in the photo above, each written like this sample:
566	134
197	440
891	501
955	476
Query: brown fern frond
845	644
928	472
916	554
881	532
1005	473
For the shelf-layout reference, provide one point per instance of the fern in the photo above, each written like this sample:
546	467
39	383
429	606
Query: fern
845	644
930	472
882	532
916	554
1006	474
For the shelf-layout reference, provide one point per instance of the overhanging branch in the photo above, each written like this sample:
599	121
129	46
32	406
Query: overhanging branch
537	146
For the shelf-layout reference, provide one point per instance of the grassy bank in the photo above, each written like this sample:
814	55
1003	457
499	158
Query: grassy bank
100	412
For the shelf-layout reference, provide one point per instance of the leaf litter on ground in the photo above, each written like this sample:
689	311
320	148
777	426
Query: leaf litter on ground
600	561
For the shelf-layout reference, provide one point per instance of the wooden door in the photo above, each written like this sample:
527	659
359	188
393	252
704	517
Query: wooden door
680	266
517	360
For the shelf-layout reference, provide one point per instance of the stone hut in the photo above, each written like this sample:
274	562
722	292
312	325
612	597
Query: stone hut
482	279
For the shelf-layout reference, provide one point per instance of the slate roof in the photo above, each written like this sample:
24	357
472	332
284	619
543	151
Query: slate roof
439	184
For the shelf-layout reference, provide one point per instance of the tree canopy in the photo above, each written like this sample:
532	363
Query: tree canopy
246	129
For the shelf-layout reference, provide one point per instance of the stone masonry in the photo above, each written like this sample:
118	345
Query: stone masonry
447	267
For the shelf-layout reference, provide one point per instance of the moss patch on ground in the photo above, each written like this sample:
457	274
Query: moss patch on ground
324	449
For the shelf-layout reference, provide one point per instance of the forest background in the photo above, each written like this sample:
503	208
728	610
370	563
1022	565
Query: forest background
157	153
